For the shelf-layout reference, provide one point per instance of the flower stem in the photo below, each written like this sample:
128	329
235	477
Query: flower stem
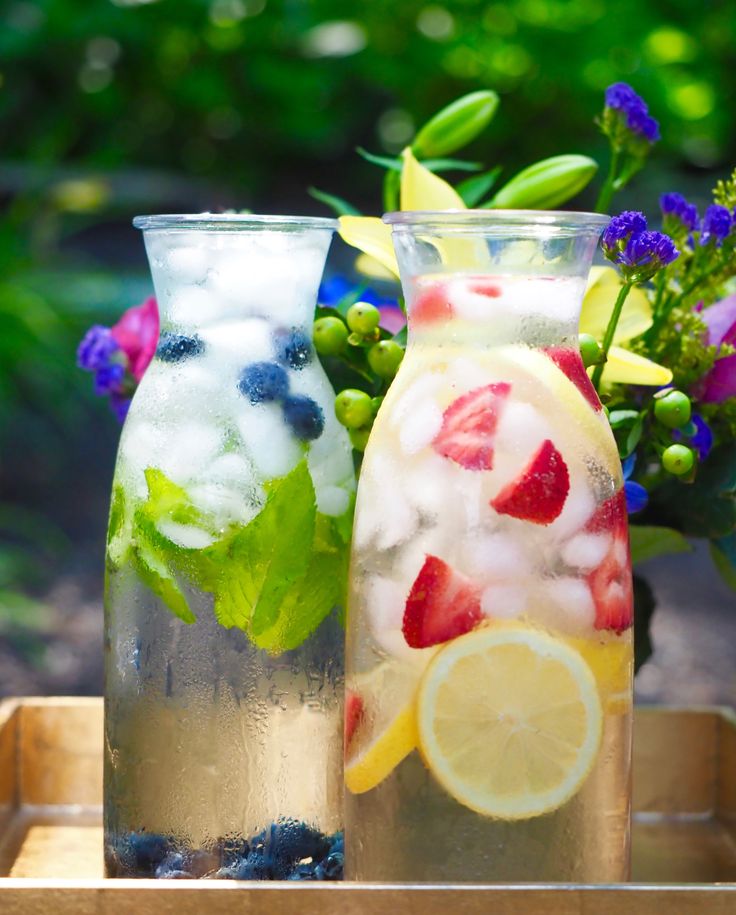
610	331
609	186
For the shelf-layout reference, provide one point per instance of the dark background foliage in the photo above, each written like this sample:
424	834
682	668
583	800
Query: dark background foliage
117	107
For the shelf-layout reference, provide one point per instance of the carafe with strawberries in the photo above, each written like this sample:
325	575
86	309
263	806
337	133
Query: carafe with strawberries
489	660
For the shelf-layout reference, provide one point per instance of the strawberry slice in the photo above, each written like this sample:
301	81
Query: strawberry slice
538	494
485	287
610	583
354	708
469	427
431	305
441	605
570	362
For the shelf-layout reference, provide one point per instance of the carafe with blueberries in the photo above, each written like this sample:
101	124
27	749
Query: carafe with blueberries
226	568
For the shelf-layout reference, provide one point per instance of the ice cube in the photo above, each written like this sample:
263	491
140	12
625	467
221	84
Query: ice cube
465	375
578	509
427	483
384	514
191	448
332	500
143	445
192	306
420	427
227	506
231	469
565	604
504	601
250	340
586	551
385	601
521	430
271	447
425	389
186	535
188	263
495	558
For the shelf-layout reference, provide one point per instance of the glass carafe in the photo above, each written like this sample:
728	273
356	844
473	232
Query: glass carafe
226	567
489	658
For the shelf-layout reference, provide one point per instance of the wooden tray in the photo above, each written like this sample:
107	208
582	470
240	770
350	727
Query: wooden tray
684	860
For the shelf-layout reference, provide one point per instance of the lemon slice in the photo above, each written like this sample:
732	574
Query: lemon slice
611	660
387	731
509	721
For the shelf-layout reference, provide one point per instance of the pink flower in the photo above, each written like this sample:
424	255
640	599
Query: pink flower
720	383
392	317
136	333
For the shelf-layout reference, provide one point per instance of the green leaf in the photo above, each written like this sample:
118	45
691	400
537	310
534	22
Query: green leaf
723	552
390	163
339	206
474	189
451	165
262	561
648	542
167	500
644	607
156	575
456	125
634	436
119	529
546	184
618	418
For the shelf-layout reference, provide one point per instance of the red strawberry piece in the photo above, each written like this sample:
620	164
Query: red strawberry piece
570	362
485	287
441	605
431	305
354	708
610	583
539	492
469	427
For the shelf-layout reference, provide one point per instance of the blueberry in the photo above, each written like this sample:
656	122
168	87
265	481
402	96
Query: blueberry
305	417
333	866
177	347
174	863
263	382
233	849
304	872
338	843
149	849
292	840
293	348
254	867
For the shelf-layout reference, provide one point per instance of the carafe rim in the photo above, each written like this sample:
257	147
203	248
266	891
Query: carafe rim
488	219
233	221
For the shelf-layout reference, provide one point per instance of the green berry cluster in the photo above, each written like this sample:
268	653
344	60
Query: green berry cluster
672	409
371	355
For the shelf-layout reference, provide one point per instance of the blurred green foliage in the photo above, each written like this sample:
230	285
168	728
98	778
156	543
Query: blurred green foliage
124	106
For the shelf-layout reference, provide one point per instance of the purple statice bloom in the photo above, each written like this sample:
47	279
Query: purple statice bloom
717	224
109	378
333	290
634	110
648	249
636	495
675	207
96	348
621	227
120	404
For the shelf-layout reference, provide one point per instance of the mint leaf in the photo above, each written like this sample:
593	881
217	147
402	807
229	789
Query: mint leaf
119	529
156	575
648	542
258	565
307	604
166	500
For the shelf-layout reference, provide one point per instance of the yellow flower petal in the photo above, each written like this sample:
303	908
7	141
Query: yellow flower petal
421	189
603	287
624	367
373	237
369	266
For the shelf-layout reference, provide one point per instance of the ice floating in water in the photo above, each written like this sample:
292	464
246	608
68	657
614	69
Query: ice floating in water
268	441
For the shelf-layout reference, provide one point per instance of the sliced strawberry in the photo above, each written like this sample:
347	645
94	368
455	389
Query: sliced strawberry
353	713
431	305
469	427
485	287
570	362
610	583
441	605
538	494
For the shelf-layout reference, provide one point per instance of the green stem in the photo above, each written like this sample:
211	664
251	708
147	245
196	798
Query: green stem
609	185
661	313
610	331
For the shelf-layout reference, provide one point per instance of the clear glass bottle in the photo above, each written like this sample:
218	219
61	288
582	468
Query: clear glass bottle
226	567
489	658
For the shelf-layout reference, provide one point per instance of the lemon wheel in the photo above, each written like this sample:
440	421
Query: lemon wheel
509	721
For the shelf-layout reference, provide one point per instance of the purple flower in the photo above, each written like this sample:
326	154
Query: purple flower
676	209
716	225
698	435
720	383
109	379
622	226
636	495
96	348
120	405
633	110
653	249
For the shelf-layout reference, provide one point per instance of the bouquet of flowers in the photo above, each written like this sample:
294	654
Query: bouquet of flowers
658	326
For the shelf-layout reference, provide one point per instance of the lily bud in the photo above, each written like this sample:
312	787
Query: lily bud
546	184
456	125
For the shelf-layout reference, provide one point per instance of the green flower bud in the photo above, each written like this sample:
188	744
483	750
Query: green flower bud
678	460
673	410
590	350
359	437
455	125
353	408
546	184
